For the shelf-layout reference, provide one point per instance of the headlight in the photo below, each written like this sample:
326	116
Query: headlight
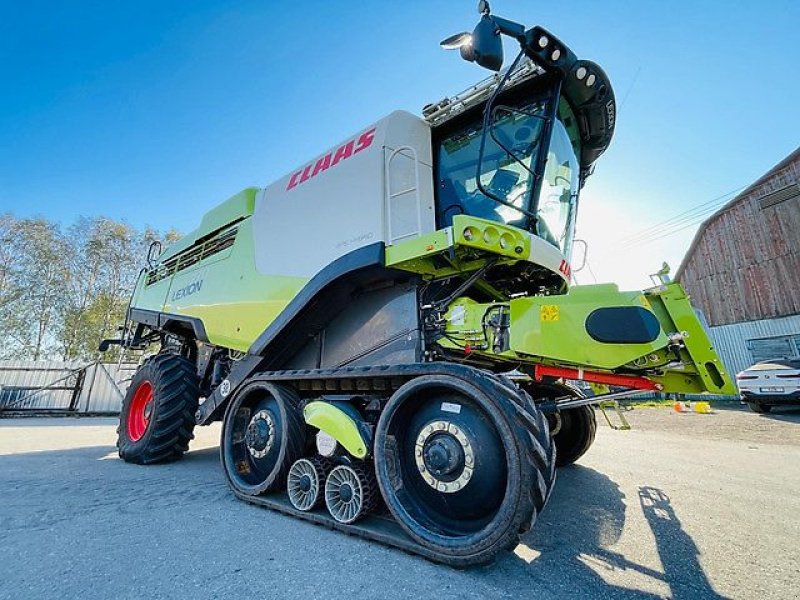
506	241
491	235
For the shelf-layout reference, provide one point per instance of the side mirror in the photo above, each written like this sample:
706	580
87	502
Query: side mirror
485	46
153	253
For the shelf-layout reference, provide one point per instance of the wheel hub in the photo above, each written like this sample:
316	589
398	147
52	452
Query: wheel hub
444	456
260	434
140	411
346	492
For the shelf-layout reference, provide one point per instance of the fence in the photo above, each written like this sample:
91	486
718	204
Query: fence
56	387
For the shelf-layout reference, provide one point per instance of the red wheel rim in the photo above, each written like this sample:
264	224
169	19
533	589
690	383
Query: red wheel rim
139	411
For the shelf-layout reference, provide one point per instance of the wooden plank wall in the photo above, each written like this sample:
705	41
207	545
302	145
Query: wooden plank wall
745	264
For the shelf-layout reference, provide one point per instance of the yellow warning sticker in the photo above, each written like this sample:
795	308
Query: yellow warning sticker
548	312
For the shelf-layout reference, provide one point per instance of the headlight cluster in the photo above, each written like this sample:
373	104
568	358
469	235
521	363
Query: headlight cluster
492	236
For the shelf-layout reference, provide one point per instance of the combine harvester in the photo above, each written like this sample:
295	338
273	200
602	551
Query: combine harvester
351	324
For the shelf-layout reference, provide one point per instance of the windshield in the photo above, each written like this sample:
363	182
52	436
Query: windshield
506	169
559	192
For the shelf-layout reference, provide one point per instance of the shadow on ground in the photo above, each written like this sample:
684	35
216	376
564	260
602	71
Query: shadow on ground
570	550
577	532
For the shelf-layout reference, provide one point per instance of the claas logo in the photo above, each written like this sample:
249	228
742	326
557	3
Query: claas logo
331	159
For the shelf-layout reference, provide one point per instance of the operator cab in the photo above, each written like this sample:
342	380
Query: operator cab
531	165
518	147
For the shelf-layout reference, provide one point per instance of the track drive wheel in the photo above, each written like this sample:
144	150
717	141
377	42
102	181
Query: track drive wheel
263	434
157	417
305	483
457	468
350	492
575	434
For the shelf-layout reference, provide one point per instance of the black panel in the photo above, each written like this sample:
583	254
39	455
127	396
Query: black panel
322	298
623	325
169	322
377	327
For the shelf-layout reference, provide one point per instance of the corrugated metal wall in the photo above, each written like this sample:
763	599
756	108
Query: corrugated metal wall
103	385
744	263
731	340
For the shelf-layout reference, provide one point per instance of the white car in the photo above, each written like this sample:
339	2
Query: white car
770	383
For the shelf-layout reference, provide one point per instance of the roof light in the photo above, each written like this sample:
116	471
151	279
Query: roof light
456	41
590	80
543	41
555	55
580	73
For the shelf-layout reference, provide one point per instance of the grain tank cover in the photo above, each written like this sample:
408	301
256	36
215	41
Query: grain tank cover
375	186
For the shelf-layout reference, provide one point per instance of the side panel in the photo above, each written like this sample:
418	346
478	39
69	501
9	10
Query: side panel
234	302
337	202
379	327
554	327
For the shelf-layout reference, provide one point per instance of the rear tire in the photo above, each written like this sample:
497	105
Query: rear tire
576	435
758	407
158	413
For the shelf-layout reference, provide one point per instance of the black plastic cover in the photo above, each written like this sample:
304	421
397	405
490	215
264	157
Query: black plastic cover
623	325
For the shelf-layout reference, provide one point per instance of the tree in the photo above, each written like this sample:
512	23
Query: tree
35	276
61	293
10	291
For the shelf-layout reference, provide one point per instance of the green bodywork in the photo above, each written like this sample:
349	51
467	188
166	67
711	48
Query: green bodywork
338	424
551	330
234	301
219	284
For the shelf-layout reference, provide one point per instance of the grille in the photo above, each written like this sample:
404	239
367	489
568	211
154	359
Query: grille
199	251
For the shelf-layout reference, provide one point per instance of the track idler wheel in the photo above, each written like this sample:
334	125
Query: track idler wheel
305	484
350	492
263	434
575	434
458	466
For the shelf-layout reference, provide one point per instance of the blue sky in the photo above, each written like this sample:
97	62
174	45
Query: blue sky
153	112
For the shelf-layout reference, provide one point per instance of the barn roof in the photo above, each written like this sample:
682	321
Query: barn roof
727	206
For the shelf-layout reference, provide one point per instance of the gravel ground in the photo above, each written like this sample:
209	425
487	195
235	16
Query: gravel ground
683	506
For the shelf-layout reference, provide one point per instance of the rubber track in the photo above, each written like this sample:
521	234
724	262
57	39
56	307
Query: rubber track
175	389
538	445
